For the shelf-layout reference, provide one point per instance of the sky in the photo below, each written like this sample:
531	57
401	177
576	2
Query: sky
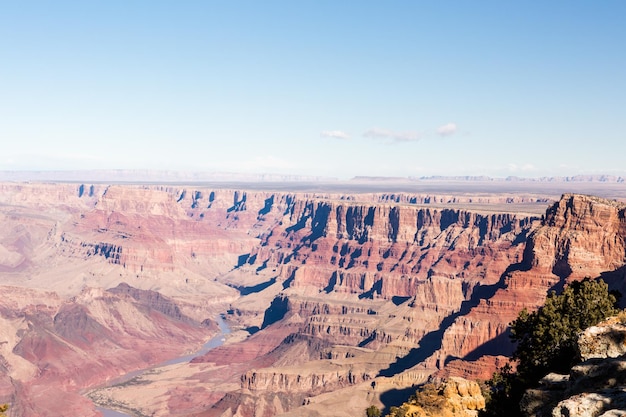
328	88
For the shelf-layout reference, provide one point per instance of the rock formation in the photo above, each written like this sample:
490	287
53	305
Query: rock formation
594	388
330	295
580	236
454	397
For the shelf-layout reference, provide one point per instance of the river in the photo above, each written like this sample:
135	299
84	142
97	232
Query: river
214	342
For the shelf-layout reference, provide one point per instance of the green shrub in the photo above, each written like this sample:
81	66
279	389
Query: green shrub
547	337
373	411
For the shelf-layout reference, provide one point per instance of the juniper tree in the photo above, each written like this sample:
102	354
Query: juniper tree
547	337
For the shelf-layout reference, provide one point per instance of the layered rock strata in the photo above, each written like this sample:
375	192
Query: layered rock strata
581	236
360	295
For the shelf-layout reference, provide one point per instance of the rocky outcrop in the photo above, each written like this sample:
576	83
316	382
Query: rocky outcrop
582	236
606	340
595	387
454	397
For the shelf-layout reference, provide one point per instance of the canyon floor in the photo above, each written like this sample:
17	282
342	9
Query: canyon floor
338	296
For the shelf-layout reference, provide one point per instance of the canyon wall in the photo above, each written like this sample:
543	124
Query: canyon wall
581	236
328	294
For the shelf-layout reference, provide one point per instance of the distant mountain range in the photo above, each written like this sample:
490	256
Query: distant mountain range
160	176
484	178
165	176
574	178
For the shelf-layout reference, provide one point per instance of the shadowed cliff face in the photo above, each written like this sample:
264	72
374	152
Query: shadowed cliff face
362	295
390	251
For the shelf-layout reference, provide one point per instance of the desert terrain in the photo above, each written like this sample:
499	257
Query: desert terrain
337	295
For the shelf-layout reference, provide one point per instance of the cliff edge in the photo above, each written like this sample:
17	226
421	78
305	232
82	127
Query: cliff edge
594	388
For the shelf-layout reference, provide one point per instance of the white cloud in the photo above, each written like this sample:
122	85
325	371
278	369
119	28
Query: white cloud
447	129
392	136
339	134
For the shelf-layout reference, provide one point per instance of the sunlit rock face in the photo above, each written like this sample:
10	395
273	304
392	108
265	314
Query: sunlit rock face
453	397
582	235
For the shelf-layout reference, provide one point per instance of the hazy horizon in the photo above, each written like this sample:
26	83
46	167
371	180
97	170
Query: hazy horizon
200	175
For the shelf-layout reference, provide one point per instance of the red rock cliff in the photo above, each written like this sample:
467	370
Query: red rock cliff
580	236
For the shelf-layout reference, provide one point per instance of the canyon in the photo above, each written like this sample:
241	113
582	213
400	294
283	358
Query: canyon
337	299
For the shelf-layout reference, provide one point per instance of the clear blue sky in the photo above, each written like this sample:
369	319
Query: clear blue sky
334	88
